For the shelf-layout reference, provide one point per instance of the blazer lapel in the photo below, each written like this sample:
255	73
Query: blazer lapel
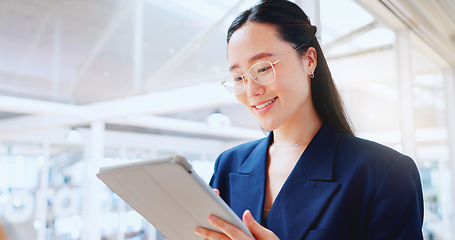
248	184
308	189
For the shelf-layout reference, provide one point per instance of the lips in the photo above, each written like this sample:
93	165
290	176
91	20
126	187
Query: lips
264	105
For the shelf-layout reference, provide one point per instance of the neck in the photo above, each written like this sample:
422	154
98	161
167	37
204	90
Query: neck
297	136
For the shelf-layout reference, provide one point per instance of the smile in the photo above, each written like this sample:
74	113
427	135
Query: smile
258	107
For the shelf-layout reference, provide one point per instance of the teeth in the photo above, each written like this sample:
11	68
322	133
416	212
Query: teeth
264	104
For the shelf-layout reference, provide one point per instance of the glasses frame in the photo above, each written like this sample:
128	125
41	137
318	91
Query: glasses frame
231	89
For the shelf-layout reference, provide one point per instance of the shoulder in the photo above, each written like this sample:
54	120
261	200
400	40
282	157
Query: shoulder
231	160
387	182
363	156
359	147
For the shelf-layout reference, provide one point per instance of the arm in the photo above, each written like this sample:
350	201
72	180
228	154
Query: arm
397	207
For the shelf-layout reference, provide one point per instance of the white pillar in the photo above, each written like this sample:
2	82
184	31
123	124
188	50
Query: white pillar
122	224
41	197
92	186
404	76
449	79
312	8
152	232
122	204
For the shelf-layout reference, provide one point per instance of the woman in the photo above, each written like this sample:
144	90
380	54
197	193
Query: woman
310	178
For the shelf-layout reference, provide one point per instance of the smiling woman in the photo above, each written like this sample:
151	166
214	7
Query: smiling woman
280	102
311	178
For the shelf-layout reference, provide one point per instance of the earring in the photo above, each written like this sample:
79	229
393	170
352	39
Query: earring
312	75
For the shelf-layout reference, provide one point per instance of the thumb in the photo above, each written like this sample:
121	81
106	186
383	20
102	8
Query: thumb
216	191
258	231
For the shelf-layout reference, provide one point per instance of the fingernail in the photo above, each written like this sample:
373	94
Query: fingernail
248	216
197	231
212	218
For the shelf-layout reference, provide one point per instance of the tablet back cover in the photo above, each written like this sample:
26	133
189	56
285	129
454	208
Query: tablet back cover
168	194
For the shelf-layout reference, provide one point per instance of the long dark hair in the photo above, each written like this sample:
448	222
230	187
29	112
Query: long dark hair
294	26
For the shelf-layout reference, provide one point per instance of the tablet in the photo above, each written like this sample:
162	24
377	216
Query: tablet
169	194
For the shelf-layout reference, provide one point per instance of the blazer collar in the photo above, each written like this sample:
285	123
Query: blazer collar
322	146
303	195
317	159
258	156
248	184
308	189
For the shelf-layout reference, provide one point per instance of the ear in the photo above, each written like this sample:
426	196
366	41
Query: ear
310	60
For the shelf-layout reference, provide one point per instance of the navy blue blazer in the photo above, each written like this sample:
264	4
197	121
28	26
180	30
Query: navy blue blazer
342	187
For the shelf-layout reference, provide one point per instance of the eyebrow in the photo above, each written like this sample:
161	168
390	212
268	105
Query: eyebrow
252	59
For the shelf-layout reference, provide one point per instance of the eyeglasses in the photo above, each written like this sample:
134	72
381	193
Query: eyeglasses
263	73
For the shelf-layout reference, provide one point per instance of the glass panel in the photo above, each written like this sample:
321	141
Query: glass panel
361	55
431	124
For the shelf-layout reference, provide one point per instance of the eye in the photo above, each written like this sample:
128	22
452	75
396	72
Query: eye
238	78
261	68
264	69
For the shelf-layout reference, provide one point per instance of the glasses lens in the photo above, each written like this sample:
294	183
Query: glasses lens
234	84
262	73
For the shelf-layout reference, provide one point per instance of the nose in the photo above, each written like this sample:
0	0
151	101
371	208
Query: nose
253	88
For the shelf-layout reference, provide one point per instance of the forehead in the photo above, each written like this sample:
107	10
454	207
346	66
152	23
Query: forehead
252	39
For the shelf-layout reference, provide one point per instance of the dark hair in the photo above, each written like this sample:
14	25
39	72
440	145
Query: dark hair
294	26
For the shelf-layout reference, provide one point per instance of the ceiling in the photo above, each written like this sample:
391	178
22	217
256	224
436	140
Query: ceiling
100	58
80	52
68	62
433	21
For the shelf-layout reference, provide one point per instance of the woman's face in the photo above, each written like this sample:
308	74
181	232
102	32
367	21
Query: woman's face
286	102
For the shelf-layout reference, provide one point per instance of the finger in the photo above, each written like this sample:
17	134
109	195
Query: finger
230	230
256	229
210	234
216	191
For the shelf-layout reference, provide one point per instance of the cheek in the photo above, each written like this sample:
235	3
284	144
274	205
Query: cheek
286	82
294	77
294	86
241	98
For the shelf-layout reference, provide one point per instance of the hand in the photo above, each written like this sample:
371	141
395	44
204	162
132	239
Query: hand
229	231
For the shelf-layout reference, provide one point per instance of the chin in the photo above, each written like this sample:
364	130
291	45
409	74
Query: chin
268	126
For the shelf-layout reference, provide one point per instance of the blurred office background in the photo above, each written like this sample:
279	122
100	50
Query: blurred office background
90	83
